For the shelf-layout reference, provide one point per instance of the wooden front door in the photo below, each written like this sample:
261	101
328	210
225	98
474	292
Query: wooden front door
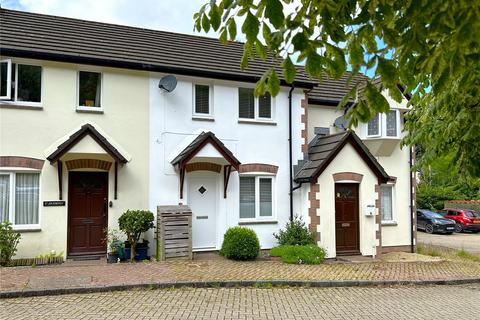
87	212
347	231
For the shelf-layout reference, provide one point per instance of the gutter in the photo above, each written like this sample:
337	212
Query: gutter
290	152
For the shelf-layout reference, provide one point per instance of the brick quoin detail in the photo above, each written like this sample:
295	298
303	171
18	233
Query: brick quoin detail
88	163
203	166
378	220
304	120
350	176
21	162
258	167
414	198
313	208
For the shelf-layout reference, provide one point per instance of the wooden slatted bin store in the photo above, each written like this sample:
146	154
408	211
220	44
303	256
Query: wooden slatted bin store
174	232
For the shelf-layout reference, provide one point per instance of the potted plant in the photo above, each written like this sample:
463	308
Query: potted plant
112	238
134	223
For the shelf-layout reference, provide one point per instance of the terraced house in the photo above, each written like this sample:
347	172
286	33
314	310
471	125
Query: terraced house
98	118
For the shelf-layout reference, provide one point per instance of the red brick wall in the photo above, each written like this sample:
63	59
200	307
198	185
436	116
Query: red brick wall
258	167
350	176
304	120
21	162
378	220
314	205
88	163
205	166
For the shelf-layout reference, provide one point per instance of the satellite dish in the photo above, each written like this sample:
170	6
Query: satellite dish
341	123
168	83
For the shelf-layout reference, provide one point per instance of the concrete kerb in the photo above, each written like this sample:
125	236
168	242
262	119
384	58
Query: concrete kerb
233	284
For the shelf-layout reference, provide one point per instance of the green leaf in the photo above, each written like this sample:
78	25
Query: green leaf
261	85
355	52
260	49
289	70
274	13
314	64
250	27
205	23
223	36
376	101
300	41
273	83
387	71
232	29
214	17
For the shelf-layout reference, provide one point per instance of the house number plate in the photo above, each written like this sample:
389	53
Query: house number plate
57	203
345	224
202	217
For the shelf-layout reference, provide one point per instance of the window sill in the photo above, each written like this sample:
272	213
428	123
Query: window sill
203	118
28	228
19	105
256	121
245	222
89	110
389	223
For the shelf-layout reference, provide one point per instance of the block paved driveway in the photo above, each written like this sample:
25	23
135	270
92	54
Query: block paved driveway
468	241
421	302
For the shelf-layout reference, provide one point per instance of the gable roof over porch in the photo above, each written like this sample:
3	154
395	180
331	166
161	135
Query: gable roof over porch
324	149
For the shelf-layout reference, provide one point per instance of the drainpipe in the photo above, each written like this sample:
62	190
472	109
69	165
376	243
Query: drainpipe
290	152
412	211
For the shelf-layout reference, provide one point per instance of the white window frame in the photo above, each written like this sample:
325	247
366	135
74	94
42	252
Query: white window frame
392	186
397	120
258	218
11	209
77	99
379	134
9	79
256	111
210	114
7	101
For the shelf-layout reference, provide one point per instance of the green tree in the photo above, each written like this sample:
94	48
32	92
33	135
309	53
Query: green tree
430	47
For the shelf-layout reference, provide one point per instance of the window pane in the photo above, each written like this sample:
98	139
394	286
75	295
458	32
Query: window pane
246	103
89	88
265	197
265	106
202	99
373	126
3	78
4	197
386	203
26	198
392	123
29	83
247	197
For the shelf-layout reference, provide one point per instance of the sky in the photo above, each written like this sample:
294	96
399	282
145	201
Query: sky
175	16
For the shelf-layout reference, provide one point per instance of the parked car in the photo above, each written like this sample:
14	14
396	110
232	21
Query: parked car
433	222
465	220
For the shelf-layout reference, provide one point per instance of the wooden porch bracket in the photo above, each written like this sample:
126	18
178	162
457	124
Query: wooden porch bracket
60	178
116	180
226	177
182	179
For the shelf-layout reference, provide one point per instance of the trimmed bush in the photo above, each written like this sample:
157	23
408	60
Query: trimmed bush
310	254
240	243
133	223
295	233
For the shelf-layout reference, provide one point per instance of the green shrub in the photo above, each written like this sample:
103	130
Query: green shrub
310	254
133	223
296	233
240	243
8	243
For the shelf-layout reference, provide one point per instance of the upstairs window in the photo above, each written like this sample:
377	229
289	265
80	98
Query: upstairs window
373	127
89	90
202	100
251	107
384	125
256	197
20	82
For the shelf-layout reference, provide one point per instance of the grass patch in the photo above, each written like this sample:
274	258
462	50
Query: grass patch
429	250
309	254
467	255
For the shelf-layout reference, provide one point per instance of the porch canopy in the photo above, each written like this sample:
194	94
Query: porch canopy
323	149
87	131
206	152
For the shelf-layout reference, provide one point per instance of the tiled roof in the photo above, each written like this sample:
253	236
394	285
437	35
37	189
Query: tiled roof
330	91
324	149
56	38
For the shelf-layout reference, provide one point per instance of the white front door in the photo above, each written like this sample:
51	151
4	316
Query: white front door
202	198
